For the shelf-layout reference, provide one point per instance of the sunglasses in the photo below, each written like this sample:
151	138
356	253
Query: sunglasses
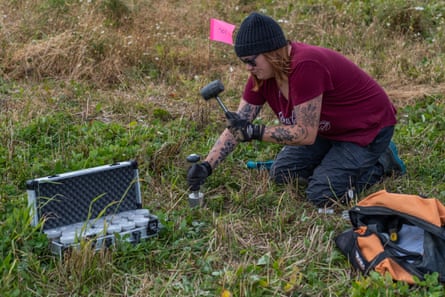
250	61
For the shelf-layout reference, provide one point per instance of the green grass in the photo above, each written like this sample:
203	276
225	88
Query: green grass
253	238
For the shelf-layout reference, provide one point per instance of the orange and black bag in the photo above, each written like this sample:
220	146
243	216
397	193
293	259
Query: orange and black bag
399	234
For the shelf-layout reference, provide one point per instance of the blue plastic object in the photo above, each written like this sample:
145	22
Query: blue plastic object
259	164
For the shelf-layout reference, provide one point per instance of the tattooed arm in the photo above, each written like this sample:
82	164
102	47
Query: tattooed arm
305	130
226	143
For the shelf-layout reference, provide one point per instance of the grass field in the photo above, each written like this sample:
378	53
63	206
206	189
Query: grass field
87	83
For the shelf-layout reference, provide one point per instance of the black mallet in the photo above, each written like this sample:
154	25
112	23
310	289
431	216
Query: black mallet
212	90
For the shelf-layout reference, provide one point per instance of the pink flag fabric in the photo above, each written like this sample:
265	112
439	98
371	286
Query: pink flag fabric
221	31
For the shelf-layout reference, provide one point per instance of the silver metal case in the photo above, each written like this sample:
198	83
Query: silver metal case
101	205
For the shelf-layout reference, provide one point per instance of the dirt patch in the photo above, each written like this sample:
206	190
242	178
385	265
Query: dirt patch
403	95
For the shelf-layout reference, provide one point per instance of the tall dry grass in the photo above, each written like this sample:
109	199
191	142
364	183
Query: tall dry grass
101	43
112	42
157	53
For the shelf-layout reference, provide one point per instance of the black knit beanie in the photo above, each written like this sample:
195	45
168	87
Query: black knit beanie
258	34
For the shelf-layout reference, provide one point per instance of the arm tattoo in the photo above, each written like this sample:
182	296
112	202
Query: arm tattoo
249	111
221	150
308	114
284	135
226	149
307	119
226	143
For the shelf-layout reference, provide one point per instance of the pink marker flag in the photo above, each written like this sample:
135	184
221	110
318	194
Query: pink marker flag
221	31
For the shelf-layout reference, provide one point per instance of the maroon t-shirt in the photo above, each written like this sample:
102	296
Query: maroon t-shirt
354	107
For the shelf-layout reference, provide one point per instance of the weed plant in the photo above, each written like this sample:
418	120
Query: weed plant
87	83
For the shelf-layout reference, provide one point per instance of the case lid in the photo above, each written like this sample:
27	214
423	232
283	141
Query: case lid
77	196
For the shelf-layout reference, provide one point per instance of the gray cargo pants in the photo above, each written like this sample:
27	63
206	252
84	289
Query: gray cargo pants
331	168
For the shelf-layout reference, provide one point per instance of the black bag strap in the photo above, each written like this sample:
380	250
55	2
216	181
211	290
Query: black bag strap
374	262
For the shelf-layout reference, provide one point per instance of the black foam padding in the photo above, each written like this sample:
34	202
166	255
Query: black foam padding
86	196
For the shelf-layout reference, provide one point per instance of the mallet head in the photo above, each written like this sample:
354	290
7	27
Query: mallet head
212	90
